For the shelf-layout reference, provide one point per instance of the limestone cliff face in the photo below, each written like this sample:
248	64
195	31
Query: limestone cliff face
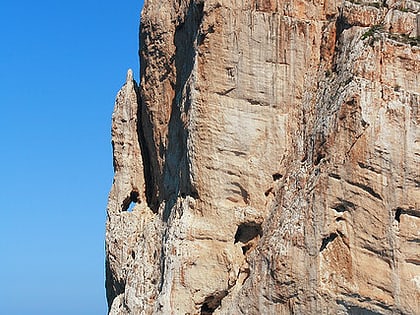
270	155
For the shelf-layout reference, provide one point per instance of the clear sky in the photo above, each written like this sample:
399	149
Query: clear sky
61	65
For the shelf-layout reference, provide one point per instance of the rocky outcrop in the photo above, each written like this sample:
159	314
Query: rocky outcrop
268	161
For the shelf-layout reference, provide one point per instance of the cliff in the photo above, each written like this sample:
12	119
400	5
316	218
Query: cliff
268	160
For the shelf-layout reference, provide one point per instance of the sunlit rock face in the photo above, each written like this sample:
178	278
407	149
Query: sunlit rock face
268	160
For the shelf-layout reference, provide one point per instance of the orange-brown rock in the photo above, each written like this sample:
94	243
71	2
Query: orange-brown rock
271	153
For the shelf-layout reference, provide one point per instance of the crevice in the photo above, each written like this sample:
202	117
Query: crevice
383	254
243	191
356	310
256	102
336	176
238	153
225	92
114	287
413	261
268	191
176	173
412	212
354	143
414	240
327	240
366	188
145	127
319	158
397	216
368	167
162	262
343	206
341	24
407	211
149	183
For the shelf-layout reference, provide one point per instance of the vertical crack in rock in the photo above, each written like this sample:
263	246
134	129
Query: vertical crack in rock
149	181
176	176
398	213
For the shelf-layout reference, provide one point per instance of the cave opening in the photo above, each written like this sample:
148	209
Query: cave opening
247	232
212	302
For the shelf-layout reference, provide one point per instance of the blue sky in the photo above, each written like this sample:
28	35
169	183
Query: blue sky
61	65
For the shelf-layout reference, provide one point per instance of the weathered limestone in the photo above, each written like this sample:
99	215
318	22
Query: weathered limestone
271	152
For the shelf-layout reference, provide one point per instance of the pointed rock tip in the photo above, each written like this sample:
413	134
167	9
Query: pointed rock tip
129	75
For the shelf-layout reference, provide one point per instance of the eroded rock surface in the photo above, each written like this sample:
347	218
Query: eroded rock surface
271	156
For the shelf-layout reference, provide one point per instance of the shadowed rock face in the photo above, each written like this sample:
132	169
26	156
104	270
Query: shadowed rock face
268	161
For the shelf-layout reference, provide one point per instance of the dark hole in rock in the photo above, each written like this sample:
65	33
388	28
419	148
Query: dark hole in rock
343	206
327	240
336	176
398	213
318	159
277	176
268	191
134	196
340	207
362	311
212	302
341	24
133	254
364	123
246	248
206	310
247	232
130	201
